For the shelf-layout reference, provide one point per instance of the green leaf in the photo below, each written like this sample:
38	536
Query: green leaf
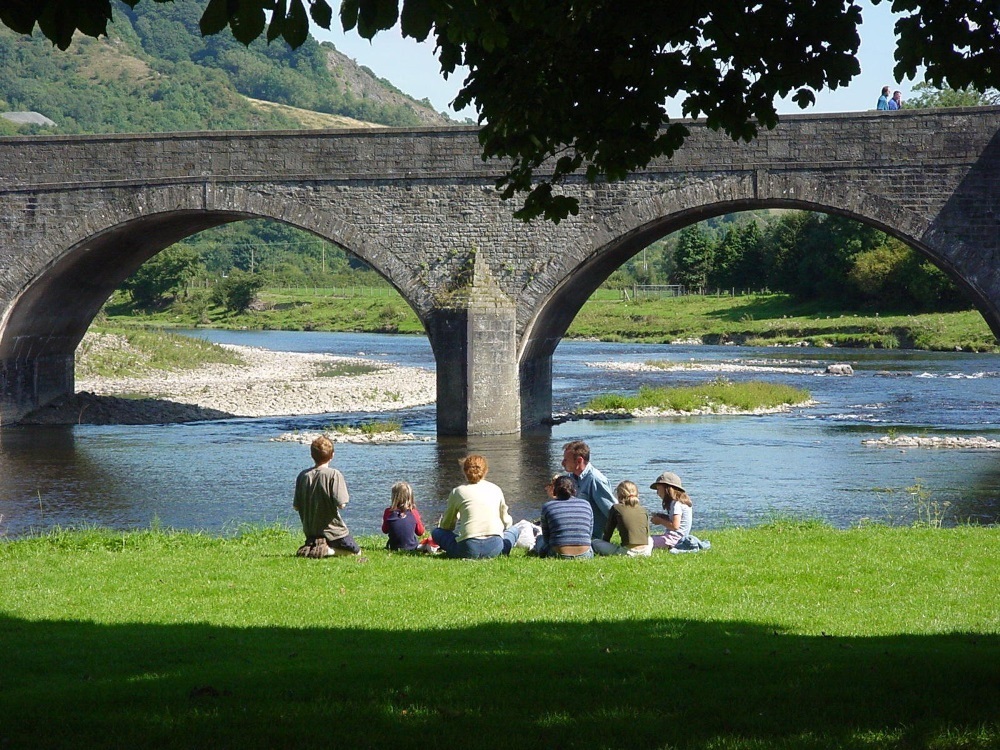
248	20
296	26
377	15
349	10
20	17
215	18
321	13
277	23
417	19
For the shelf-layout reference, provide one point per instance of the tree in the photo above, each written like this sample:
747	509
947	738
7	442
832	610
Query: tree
161	276
746	268
693	257
932	96
237	291
569	86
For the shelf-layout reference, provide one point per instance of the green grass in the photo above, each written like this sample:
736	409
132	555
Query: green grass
758	319
718	395
770	319
791	635
348	369
367	428
143	351
381	311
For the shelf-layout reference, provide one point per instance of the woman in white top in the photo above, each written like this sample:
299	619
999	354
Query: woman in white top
481	509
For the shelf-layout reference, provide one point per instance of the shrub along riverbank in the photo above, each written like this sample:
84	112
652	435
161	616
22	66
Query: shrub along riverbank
790	635
763	319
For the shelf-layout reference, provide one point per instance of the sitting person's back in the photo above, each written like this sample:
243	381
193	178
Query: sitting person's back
567	523
481	509
401	520
320	495
631	521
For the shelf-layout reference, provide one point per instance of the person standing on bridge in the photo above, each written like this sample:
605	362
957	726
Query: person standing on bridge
896	102
591	484
883	101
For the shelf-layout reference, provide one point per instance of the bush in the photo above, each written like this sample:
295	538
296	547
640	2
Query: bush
237	291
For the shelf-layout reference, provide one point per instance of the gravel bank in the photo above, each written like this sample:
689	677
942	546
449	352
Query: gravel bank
906	441
268	384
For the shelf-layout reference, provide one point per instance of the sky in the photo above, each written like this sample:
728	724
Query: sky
412	67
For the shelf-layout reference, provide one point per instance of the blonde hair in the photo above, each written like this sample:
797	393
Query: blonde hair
673	493
402	496
627	493
475	467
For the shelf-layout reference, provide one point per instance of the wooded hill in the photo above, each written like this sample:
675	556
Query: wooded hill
156	73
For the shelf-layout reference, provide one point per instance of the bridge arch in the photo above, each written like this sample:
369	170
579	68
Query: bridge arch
88	258
639	225
88	261
625	233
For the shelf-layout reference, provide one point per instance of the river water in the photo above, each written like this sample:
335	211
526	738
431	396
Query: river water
740	470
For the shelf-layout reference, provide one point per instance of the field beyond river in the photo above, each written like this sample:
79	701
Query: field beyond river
751	320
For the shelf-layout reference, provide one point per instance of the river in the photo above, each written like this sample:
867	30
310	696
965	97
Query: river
740	470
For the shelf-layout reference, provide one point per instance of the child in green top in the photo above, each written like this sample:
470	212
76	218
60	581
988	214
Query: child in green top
631	521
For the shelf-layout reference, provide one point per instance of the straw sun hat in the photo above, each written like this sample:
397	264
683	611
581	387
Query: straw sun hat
670	479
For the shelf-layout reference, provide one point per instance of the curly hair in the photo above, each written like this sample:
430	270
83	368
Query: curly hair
475	467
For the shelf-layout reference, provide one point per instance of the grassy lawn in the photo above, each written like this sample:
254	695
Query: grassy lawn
791	635
762	319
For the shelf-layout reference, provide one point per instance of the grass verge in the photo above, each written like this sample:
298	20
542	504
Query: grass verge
373	427
132	352
719	395
791	635
756	319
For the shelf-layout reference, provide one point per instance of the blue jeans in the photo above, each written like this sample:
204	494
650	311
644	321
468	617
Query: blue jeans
469	549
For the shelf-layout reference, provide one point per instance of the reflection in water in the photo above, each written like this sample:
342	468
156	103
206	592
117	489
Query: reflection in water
520	466
218	475
982	504
47	479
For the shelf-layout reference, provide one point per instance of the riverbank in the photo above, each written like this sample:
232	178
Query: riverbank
262	383
752	320
170	640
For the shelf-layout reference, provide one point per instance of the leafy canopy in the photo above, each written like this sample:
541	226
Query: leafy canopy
580	86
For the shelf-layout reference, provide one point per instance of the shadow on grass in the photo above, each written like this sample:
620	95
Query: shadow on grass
642	684
776	308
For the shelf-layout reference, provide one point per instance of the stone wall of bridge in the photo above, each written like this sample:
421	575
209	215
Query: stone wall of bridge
81	213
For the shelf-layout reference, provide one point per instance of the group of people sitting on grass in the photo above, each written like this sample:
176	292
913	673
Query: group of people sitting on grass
580	519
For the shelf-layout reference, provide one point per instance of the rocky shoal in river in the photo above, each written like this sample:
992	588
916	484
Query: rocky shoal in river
907	441
267	384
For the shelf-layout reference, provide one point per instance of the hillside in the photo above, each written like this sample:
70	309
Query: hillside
155	73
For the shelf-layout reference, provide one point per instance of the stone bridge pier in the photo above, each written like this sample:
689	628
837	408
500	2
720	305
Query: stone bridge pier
78	214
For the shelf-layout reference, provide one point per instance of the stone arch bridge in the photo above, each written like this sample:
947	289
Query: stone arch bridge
81	213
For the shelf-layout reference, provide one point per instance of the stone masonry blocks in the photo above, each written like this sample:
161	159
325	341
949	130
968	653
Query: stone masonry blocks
419	204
